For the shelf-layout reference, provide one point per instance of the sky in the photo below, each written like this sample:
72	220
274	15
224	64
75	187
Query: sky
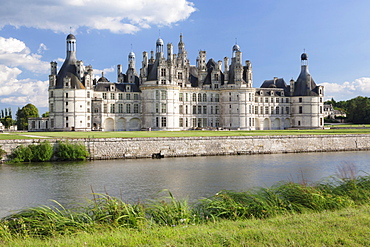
271	34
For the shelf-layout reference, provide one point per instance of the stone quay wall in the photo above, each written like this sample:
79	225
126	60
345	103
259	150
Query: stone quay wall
121	148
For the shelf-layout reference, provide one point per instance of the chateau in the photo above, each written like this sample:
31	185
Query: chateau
168	93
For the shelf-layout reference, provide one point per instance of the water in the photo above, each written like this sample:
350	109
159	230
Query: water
23	186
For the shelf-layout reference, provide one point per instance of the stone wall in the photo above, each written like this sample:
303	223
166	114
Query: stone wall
118	148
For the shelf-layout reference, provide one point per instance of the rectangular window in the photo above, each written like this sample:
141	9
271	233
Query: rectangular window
163	72
163	94
136	96
199	97
128	108
194	97
156	107
320	109
194	109
256	109
181	97
287	100
156	94
204	109
217	110
164	122
217	97
104	96
136	108
157	121
120	108
199	109
105	108
300	100
211	109
51	94
112	110
194	122
204	97
186	97
266	100
163	108
181	122
88	94
300	110
287	110
128	96
277	100
51	107
111	95
120	96
277	110
66	95
179	76
181	109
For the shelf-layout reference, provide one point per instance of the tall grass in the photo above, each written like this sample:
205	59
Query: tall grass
285	198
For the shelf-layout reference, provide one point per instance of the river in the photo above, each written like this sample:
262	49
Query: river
28	185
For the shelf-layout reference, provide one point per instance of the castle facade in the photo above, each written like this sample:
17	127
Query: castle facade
168	93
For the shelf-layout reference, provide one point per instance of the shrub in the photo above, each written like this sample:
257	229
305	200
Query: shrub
33	152
71	151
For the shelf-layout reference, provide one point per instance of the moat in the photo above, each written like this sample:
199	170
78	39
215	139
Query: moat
28	185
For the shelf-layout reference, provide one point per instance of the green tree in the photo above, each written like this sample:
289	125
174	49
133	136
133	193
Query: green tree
46	114
23	114
358	110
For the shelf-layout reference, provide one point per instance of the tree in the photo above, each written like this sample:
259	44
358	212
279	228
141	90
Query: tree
358	110
23	114
46	114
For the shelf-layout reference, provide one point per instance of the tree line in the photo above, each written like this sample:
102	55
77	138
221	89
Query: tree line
357	109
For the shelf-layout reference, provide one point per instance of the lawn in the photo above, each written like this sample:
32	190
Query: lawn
194	133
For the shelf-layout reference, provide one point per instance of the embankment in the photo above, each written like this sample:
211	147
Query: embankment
121	148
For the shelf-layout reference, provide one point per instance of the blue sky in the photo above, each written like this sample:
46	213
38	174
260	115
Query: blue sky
272	35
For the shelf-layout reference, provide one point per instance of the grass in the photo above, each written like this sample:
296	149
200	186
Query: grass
346	227
195	133
336	212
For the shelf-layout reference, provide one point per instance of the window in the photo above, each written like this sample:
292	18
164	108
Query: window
277	110
51	94
287	100
163	82
266	100
157	121
217	97
120	96
277	100
51	107
216	77
111	95
179	76
194	97
164	122
156	94
211	97
136	108
96	110
199	109
112	110
66	95
287	110
204	109
186	109
320	109
300	100
181	97
194	109
204	97
199	97
211	109
128	96
128	108
120	108
163	94
186	97
156	108
163	108
181	109
300	110
216	85
163	72
67	110
181	122
266	110
88	110
320	100
105	109
104	95
217	110
136	96
256	109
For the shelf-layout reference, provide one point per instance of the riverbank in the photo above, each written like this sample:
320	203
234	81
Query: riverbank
347	227
132	148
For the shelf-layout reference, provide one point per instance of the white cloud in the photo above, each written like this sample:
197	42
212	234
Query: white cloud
347	90
42	48
15	53
118	16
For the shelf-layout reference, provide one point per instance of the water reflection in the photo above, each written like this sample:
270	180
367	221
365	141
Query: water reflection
23	186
